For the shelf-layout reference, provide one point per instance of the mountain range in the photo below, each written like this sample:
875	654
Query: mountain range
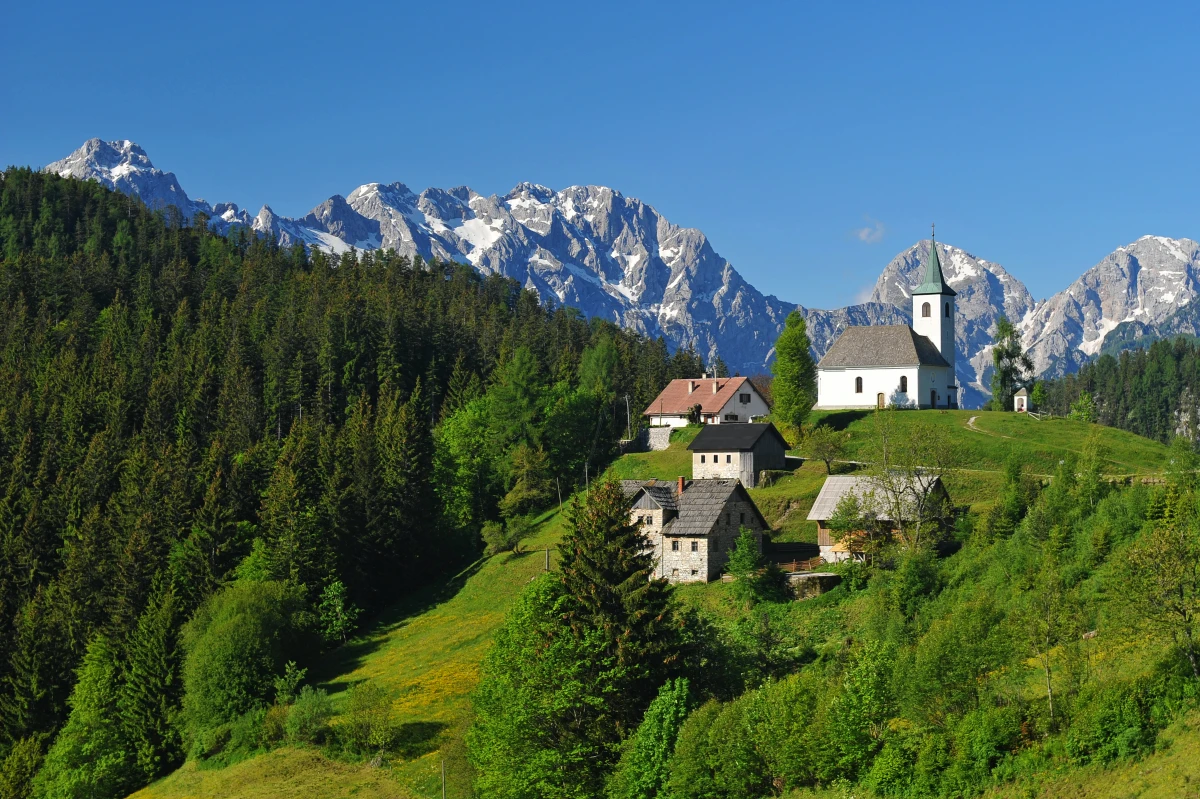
616	257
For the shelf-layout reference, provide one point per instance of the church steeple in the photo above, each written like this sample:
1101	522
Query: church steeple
934	283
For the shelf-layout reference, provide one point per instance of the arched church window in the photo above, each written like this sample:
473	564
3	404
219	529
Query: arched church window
903	384
858	385
925	309
947	310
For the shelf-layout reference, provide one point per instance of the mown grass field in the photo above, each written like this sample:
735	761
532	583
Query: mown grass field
426	650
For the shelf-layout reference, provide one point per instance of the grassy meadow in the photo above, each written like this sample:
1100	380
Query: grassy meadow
426	651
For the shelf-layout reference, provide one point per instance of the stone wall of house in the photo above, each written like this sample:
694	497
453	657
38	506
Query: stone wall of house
733	465
684	565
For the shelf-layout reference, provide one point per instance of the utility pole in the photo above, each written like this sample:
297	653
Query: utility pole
628	420
558	484
443	778
547	558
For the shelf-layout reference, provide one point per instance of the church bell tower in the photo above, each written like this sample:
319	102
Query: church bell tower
933	306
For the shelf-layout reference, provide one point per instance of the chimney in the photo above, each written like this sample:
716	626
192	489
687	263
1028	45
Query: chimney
681	485
716	385
691	386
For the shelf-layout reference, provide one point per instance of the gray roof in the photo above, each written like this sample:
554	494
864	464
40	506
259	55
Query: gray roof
881	345
733	436
662	493
839	485
1022	393
701	506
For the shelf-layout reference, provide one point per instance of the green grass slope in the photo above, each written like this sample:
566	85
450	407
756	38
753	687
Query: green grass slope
426	650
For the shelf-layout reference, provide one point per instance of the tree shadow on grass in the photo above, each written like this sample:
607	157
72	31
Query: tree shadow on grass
375	630
415	738
840	420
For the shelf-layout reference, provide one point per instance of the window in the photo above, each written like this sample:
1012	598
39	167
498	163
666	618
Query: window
925	309
702	459
947	310
741	518
731	417
674	546
903	384
695	546
745	398
674	572
729	459
858	385
695	572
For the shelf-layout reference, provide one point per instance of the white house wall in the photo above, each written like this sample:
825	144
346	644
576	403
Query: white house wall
755	407
733	465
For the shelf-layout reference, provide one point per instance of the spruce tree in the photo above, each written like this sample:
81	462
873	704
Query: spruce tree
610	591
91	757
152	689
1011	364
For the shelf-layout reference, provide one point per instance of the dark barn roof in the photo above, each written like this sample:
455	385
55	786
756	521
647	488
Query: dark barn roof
881	345
733	436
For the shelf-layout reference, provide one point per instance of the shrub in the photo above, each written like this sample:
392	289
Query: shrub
642	770
1111	723
274	726
308	718
368	724
236	645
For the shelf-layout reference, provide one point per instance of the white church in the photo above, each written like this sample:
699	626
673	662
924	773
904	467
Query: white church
878	366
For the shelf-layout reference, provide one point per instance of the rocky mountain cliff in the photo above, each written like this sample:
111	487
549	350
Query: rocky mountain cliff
1142	284
613	256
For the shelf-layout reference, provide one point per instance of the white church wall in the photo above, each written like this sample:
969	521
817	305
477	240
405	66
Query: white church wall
836	387
935	379
936	327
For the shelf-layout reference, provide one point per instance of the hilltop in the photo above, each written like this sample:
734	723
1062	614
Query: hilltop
427	650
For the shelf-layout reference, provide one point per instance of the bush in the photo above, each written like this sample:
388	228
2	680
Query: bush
506	536
274	726
308	718
642	770
236	645
1111	723
368	724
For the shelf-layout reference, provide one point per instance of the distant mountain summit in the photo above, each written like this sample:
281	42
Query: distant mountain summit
616	257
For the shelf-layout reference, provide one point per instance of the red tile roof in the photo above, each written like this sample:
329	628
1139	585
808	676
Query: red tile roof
676	400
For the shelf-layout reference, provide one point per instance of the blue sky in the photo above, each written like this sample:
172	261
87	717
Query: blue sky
810	142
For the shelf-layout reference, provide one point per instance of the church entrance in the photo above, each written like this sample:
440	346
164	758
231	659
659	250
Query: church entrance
933	398
879	401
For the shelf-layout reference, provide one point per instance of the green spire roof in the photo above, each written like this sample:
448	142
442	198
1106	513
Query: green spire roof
933	283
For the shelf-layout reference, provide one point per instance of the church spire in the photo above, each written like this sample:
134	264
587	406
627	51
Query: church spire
933	283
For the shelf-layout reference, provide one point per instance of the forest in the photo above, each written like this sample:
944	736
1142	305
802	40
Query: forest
1154	392
216	455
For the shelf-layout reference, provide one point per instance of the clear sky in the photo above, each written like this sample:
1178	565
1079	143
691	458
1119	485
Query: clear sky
810	142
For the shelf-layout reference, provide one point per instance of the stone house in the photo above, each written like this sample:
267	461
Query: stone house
692	525
737	451
867	490
721	399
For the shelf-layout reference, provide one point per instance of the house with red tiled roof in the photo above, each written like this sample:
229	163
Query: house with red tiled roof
714	400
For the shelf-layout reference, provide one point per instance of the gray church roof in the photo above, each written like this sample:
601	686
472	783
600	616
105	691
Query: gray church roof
881	345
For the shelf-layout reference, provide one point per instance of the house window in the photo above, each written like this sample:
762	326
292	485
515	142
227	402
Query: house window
904	384
674	546
695	546
925	311
695	572
731	417
674	572
729	459
702	459
947	310
858	385
741	518
745	398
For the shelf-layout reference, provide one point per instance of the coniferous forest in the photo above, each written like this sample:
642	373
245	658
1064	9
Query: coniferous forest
1154	392
192	426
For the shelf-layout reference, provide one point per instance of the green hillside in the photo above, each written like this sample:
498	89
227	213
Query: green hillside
426	651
